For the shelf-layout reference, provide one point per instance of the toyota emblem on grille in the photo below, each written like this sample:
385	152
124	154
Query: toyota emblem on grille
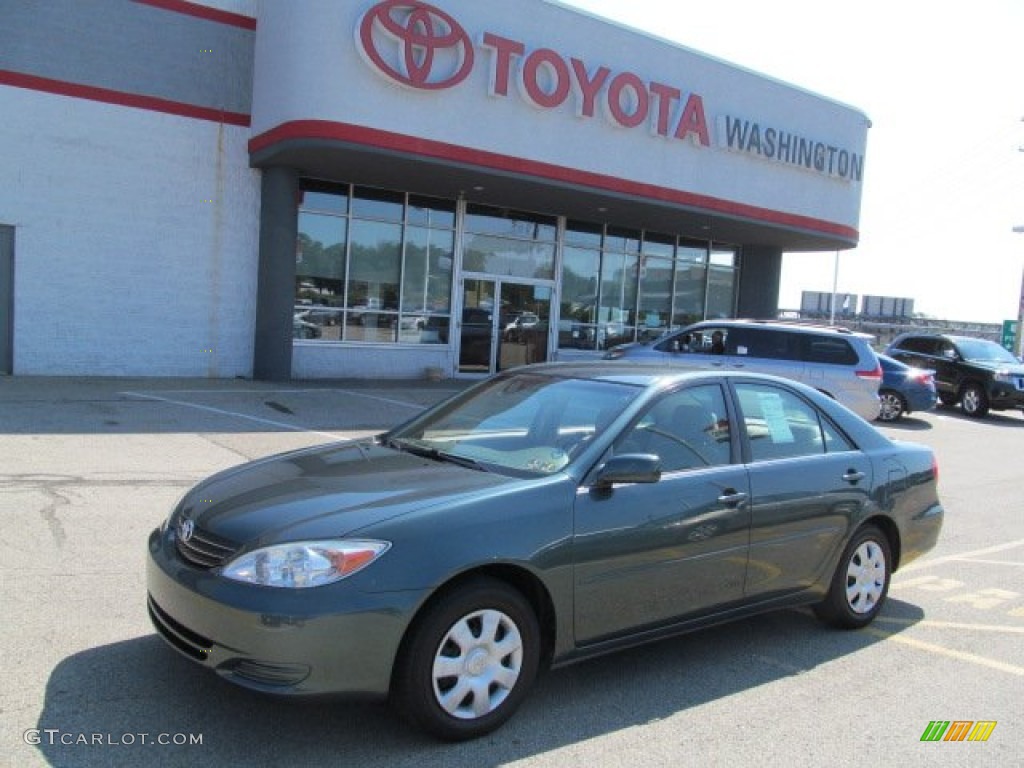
415	44
185	530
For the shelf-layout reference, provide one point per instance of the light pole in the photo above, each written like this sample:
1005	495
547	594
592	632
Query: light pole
1018	348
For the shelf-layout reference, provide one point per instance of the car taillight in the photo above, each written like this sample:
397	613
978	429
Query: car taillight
874	373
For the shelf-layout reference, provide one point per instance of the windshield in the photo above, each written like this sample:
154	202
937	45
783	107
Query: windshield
520	423
981	351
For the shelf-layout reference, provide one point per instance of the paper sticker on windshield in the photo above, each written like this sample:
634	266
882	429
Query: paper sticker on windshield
775	417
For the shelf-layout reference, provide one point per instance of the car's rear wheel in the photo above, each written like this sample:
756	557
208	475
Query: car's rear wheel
974	400
860	583
891	405
469	661
948	399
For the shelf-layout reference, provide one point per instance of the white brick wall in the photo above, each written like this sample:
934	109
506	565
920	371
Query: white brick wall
136	239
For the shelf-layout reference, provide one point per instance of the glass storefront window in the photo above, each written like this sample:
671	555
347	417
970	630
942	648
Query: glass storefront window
690	279
364	275
655	297
486	220
509	243
577	327
377	204
722	284
617	310
375	267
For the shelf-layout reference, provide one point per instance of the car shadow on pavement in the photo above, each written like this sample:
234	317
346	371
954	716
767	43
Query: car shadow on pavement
138	694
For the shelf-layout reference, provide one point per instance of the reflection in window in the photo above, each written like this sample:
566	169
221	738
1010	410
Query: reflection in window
365	274
722	284
578	310
509	243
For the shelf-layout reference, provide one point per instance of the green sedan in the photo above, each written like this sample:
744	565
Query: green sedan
543	516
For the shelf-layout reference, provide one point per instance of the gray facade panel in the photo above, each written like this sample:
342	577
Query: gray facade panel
760	280
129	47
275	292
6	299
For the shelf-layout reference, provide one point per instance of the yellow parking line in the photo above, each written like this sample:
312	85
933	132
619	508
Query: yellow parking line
948	652
952	625
926	563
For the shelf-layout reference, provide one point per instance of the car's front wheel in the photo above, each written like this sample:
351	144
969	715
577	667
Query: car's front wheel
891	405
469	661
860	583
974	400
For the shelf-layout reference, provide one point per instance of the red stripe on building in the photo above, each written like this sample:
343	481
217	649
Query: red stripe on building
122	98
202	12
369	137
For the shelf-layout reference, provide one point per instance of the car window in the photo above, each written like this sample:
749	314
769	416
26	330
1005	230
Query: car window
828	349
981	350
687	429
781	425
921	344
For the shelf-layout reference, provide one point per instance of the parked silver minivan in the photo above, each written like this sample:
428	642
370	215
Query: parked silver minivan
836	361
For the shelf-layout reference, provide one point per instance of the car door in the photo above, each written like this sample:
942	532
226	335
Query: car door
648	553
808	484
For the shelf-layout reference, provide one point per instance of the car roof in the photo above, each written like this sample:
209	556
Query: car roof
796	326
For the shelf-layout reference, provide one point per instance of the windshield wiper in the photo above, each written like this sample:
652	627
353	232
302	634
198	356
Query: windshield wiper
430	452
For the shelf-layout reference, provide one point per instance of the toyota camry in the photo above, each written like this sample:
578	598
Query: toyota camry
543	516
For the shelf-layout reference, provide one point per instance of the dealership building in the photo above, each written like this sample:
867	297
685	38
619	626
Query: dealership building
356	188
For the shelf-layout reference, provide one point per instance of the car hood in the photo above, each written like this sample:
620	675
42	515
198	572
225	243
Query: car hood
327	491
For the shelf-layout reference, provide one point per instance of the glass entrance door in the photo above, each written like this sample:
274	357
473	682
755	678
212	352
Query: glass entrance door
504	325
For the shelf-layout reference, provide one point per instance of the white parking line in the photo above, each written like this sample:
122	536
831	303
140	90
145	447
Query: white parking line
351	393
234	414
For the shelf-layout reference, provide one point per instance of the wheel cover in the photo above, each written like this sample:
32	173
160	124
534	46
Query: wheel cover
865	577
972	400
890	406
477	664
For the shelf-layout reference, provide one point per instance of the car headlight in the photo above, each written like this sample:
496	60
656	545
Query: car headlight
301	564
1003	376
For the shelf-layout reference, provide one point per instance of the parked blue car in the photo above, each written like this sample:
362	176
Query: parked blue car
904	389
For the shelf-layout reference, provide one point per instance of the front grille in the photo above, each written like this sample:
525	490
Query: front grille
204	549
190	643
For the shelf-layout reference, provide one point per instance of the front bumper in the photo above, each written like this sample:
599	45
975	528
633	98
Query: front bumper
1005	396
333	639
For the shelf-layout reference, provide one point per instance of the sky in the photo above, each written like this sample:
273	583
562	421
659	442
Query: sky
943	85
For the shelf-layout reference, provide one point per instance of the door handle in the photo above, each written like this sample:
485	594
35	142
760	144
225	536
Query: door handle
853	477
732	498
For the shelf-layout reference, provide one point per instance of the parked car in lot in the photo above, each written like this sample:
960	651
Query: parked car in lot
978	374
904	389
547	514
834	360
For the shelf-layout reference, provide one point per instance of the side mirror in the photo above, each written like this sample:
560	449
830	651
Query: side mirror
629	468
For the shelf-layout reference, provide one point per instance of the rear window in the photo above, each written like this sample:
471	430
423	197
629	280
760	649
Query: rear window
821	349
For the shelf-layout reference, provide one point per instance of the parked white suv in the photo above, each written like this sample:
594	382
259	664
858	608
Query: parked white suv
836	361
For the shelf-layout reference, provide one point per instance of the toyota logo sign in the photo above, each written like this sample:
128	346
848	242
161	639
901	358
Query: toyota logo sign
415	44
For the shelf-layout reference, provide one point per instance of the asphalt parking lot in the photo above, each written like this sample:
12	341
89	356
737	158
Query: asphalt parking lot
89	467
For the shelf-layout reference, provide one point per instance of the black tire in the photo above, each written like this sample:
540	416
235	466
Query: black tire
489	679
974	400
861	581
891	405
947	399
